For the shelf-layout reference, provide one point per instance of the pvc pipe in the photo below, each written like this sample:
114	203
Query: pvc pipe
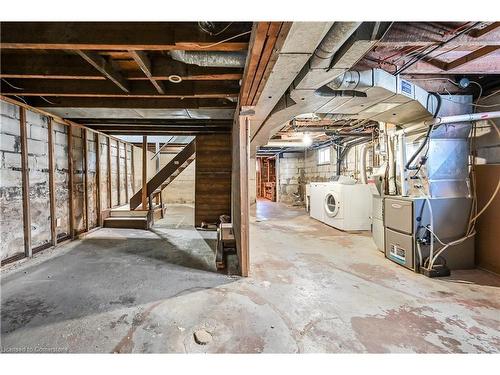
392	168
449	120
362	167
401	162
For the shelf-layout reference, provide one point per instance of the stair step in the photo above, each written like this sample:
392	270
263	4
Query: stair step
126	222
128	213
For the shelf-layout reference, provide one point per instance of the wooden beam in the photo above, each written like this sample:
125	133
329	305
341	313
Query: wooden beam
52	186
98	177
126	172
103	66
483	51
156	103
118	171
66	66
257	42
71	182
25	184
85	179
110	200
144	197
119	36
106	89
142	59
477	33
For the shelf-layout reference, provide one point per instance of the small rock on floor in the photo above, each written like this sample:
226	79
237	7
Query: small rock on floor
202	337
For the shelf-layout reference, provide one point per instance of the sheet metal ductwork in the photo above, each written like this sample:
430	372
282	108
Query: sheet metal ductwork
377	95
211	58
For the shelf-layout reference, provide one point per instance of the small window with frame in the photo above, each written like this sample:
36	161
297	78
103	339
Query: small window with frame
324	156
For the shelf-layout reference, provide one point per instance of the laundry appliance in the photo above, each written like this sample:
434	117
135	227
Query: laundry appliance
347	206
317	191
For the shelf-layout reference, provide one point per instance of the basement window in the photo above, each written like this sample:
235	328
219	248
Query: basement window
324	156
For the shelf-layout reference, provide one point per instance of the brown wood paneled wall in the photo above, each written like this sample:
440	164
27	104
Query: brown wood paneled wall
487	254
213	177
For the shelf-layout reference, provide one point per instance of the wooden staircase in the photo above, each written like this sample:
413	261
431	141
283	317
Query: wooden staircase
166	175
143	218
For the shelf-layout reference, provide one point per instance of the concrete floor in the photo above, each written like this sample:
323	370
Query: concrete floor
312	289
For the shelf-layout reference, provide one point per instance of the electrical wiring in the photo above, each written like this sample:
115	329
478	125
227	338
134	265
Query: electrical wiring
225	40
209	32
11	85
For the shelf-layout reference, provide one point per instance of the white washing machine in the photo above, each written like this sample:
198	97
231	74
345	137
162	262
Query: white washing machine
317	191
347	206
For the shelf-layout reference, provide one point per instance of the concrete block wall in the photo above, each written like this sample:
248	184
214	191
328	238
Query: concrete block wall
61	179
11	197
92	178
291	176
78	183
38	164
11	204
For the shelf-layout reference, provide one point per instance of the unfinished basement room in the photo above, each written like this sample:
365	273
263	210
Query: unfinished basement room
250	187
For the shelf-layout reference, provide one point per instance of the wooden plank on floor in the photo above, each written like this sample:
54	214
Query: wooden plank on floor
52	187
25	184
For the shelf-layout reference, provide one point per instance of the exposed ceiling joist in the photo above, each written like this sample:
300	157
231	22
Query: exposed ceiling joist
137	89
103	66
119	36
130	103
69	66
144	63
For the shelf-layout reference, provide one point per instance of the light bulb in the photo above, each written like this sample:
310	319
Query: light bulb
307	140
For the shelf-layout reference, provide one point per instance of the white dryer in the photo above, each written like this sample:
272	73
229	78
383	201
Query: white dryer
348	206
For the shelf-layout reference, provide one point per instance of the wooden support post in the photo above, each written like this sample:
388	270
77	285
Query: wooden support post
70	182
52	187
126	172
110	200
144	172
25	183
132	168
118	171
85	179
98	177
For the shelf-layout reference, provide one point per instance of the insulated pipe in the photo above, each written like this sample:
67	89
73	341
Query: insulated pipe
211	58
331	43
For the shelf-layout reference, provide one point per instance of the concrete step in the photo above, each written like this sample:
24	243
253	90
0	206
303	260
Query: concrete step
128	213
126	222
